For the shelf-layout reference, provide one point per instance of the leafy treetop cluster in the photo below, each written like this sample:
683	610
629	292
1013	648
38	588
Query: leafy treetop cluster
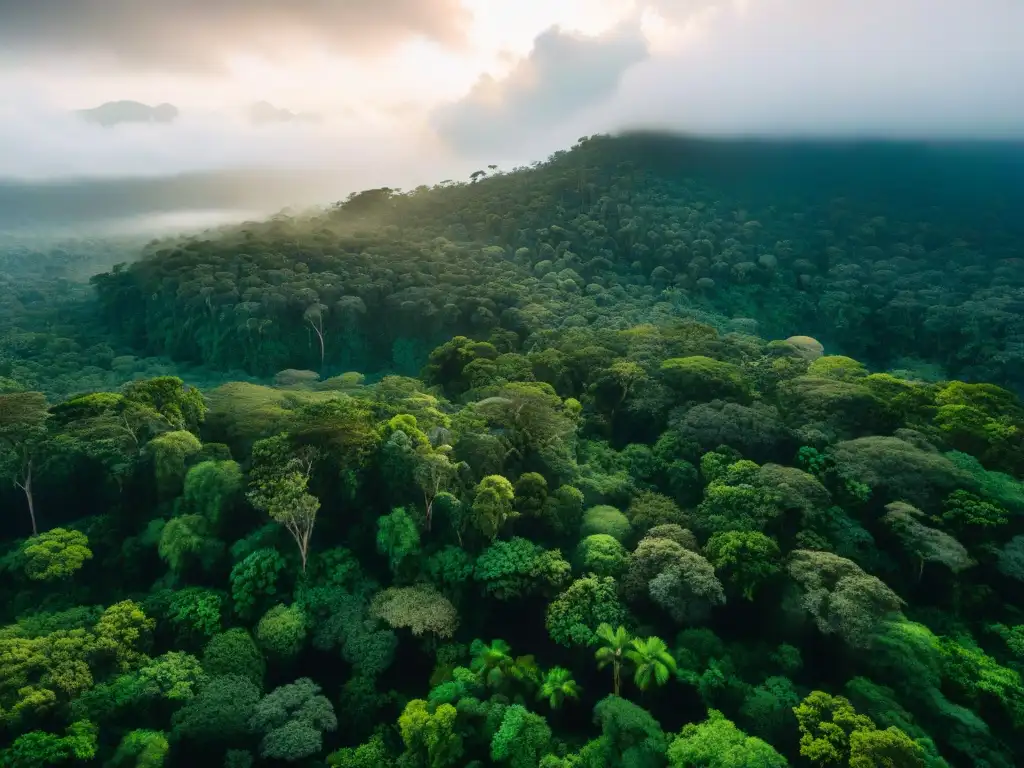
660	545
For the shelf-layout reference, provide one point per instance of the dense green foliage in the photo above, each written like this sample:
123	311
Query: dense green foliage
652	228
590	531
52	338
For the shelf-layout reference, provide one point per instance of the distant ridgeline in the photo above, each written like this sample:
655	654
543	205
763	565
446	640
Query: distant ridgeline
900	255
114	113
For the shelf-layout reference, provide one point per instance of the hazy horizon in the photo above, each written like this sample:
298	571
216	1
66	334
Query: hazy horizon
412	92
197	200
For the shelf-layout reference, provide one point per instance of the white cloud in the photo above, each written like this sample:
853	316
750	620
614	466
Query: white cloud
812	67
913	68
868	68
563	74
39	140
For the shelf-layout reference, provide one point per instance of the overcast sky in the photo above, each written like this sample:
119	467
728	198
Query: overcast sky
412	91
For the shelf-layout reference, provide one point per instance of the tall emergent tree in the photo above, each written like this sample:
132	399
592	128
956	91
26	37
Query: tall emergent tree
314	316
434	472
22	435
279	479
109	428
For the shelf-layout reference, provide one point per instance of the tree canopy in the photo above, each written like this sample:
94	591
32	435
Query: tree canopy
615	460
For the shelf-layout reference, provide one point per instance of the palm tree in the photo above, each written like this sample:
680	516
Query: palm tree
524	670
558	686
653	662
491	662
614	644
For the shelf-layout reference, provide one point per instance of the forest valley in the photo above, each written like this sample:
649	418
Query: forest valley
576	511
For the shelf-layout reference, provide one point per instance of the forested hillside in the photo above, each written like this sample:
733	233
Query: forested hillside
883	251
656	455
52	336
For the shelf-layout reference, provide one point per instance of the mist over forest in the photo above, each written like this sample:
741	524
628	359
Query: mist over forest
958	170
87	205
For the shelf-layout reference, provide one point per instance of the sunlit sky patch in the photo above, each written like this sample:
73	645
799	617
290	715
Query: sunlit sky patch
422	83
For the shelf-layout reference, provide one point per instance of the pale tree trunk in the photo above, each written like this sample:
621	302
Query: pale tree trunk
26	487
302	526
320	335
302	535
307	537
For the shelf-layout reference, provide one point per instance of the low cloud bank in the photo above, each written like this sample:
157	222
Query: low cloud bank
916	69
41	141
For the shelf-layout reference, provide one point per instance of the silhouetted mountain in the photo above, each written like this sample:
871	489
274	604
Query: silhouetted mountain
263	112
116	112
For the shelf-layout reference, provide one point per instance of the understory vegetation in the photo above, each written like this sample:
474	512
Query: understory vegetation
537	470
